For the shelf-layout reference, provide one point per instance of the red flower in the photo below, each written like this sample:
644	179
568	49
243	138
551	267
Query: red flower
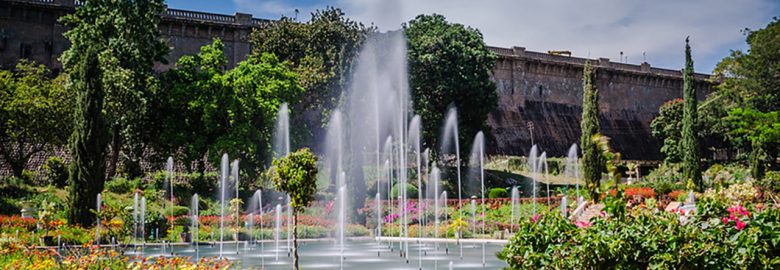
725	220
740	225
535	218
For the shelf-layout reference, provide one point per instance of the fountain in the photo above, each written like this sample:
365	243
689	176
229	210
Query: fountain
135	219
169	180
515	203
234	172
541	166
378	216
532	165
478	154
451	133
342	221
143	223
573	168
194	213
278	230
222	197
97	213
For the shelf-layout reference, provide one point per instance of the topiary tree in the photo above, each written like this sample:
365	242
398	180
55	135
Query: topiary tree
592	161
498	193
296	174
690	144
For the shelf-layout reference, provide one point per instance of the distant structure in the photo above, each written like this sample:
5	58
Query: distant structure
541	88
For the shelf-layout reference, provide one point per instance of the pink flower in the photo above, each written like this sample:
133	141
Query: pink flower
582	224
725	220
535	218
740	225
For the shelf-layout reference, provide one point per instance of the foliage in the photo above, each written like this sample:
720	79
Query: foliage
667	126
770	182
321	51
592	161
762	131
55	171
88	141
205	108
125	54
449	65
498	193
690	142
664	179
122	185
647	240
411	191
296	174
35	111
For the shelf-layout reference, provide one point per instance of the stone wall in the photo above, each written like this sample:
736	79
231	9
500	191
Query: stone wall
547	90
533	87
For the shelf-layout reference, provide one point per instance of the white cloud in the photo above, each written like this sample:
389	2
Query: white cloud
601	28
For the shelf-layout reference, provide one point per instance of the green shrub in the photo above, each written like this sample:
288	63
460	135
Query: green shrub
55	171
665	179
770	182
411	190
498	193
121	185
178	210
28	176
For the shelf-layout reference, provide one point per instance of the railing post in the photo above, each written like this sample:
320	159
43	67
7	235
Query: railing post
66	3
243	18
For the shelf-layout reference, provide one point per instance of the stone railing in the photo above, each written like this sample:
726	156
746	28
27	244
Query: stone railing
603	62
199	16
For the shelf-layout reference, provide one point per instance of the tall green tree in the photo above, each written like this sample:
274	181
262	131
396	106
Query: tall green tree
320	51
593	163
89	138
36	113
750	90
126	36
205	108
449	64
690	142
296	174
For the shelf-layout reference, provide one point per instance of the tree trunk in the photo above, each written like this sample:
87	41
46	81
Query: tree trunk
115	145
295	239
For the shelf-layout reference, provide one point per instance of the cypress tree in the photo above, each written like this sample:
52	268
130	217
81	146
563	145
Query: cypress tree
592	161
88	141
690	143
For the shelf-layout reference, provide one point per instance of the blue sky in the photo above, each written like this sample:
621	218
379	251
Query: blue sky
643	30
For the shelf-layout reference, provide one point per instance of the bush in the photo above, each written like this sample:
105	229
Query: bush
498	193
55	171
665	179
121	185
411	191
647	240
770	182
179	210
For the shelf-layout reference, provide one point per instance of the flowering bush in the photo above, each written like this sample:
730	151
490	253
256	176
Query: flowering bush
648	240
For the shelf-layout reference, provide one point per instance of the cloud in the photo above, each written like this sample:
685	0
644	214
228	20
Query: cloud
599	28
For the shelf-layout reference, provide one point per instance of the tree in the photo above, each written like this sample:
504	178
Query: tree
126	36
36	112
296	174
592	160
89	139
690	142
204	108
449	64
667	126
750	90
762	131
321	51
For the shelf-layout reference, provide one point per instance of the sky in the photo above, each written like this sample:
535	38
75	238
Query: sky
644	30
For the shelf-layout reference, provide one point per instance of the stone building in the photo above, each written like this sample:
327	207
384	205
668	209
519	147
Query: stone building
533	87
